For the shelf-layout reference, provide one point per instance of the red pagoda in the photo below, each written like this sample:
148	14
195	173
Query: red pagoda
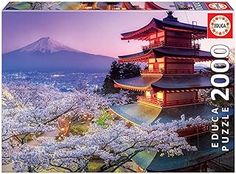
171	88
152	6
170	58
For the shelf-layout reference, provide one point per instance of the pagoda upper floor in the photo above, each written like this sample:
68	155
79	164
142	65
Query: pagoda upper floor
164	51
168	60
168	32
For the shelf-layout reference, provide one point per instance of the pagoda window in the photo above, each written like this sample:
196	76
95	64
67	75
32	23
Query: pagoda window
161	60
160	95
153	36
150	67
148	94
161	34
155	39
162	39
161	67
152	60
156	42
152	42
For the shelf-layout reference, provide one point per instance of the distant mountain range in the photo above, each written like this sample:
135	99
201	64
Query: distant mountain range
47	55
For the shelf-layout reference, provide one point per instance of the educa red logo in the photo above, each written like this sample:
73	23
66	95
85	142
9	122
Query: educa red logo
218	6
220	25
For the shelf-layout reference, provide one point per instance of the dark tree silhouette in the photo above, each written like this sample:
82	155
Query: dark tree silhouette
119	71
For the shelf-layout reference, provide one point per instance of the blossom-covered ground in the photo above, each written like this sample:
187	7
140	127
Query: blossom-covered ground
32	105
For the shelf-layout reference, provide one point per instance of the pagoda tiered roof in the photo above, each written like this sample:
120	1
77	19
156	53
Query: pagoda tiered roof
153	162
168	23
140	113
178	82
182	52
173	52
137	83
138	55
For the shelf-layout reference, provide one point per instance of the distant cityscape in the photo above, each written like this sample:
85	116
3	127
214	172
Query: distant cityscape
63	81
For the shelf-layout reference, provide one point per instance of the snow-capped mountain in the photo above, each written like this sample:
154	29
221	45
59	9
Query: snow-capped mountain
201	67
46	54
46	44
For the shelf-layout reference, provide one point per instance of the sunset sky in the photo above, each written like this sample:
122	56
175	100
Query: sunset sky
95	32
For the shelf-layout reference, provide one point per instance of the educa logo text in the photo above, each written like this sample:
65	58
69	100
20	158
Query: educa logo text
220	25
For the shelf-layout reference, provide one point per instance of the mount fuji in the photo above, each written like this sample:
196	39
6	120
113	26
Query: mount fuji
47	55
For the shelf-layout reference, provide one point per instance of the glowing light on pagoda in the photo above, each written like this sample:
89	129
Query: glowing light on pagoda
148	94
64	126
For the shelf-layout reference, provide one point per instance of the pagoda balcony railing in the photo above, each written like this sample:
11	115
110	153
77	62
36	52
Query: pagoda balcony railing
155	101
150	100
195	46
183	102
170	71
183	45
180	71
146	71
146	47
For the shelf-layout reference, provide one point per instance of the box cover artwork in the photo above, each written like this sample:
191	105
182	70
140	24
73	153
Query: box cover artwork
118	87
